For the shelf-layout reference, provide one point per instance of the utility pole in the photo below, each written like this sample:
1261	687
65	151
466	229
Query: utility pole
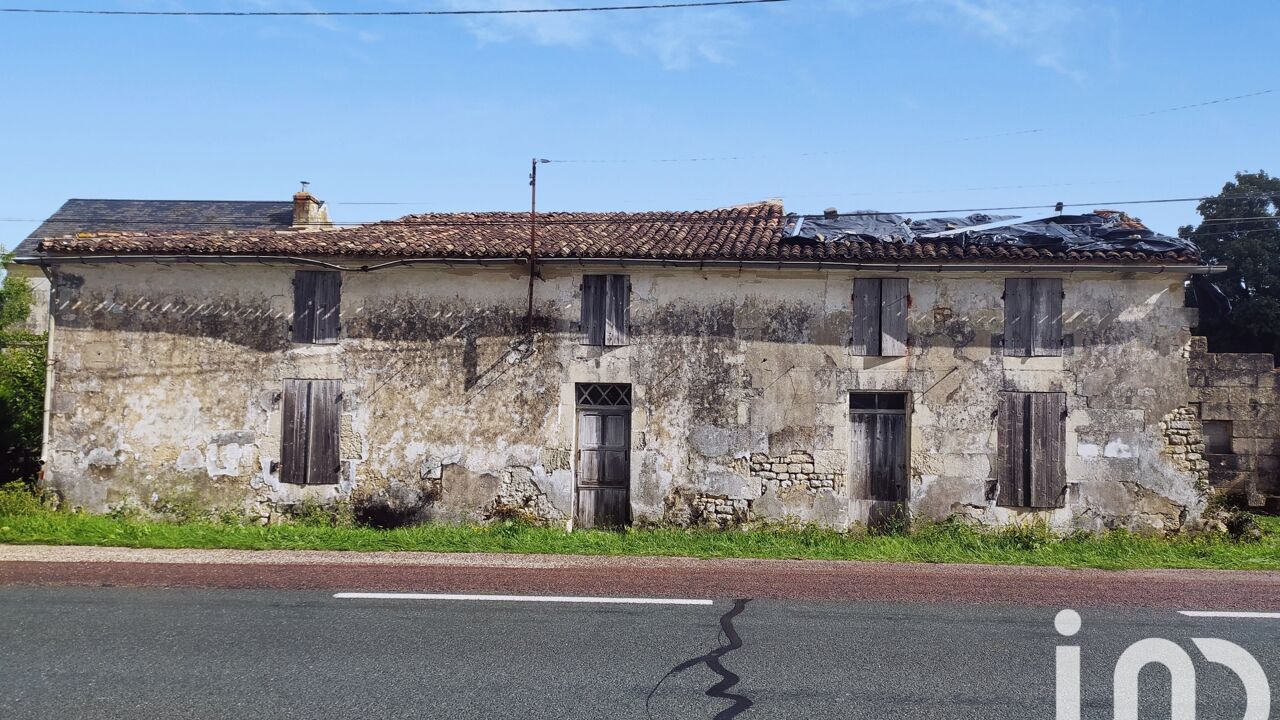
533	236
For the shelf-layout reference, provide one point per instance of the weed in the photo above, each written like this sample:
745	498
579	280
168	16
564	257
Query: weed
315	513
26	518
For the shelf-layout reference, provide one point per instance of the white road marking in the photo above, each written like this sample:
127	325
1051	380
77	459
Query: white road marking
1230	614
519	598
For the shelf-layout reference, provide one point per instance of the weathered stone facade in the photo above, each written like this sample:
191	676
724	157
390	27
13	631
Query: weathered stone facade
167	382
1240	393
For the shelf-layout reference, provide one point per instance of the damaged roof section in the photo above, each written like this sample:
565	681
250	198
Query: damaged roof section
1102	231
871	226
757	232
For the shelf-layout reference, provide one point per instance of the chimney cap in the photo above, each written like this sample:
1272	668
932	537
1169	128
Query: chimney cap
830	213
305	185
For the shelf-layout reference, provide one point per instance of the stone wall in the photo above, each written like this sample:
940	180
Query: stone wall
168	378
1241	391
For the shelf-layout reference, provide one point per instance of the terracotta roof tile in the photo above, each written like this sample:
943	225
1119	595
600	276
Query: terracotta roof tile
749	232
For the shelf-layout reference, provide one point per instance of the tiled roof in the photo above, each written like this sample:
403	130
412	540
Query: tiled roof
748	232
745	231
156	216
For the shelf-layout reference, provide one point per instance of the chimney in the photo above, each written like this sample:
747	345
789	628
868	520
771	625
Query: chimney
830	214
308	211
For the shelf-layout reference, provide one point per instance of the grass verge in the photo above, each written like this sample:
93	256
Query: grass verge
23	520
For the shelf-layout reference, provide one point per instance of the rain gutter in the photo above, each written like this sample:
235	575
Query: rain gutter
959	266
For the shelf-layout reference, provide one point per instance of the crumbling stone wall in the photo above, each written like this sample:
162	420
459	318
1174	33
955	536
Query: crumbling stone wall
1184	443
1241	391
168	379
796	471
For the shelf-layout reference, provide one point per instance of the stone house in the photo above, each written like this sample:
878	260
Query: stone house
720	366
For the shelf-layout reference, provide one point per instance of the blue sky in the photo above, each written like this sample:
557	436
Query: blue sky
876	104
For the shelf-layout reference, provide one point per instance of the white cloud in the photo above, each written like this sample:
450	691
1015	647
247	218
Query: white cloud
1044	30
676	39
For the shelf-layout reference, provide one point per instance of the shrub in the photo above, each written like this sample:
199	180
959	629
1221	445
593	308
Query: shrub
18	499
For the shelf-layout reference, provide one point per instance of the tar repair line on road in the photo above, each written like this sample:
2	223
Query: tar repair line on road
518	598
1230	614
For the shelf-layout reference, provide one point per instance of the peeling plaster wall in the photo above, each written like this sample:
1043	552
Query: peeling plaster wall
168	382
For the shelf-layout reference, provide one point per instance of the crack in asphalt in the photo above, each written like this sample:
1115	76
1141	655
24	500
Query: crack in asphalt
728	678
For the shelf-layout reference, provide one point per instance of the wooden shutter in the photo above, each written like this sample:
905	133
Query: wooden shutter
1017	316
295	439
328	293
1048	438
1046	314
309	442
866	317
593	296
323	465
1031	462
893	316
1012	451
304	306
617	310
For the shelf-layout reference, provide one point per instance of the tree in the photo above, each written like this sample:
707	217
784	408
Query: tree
22	374
1240	228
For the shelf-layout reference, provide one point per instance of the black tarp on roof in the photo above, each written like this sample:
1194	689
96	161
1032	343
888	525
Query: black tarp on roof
1101	230
878	227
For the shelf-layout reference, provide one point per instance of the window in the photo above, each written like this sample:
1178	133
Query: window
880	316
1032	316
878	446
606	310
1031	464
309	446
316	296
1217	437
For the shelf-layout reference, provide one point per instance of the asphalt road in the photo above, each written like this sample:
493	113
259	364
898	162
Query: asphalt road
81	652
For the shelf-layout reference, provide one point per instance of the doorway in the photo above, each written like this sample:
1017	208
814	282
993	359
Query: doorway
603	477
878	447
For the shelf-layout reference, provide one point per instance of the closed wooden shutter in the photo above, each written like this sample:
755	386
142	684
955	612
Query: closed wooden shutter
866	317
617	310
1017	317
1048	441
316	306
295	439
1046	314
1031	457
310	420
1012	449
327	306
304	306
893	317
323	465
593	296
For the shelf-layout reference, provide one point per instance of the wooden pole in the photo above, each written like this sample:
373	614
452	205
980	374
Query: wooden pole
533	239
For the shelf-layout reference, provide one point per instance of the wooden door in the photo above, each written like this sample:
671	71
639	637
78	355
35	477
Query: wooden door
878	453
604	467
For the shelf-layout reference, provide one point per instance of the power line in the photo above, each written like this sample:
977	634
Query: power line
651	218
379	13
930	191
1202	104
